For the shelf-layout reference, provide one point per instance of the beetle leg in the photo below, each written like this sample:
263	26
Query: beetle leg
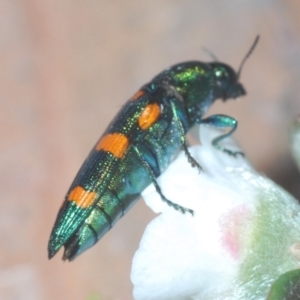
156	185
222	121
183	142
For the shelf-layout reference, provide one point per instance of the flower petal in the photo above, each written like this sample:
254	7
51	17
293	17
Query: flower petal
236	244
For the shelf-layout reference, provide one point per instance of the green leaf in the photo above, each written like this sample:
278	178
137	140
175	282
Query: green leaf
286	287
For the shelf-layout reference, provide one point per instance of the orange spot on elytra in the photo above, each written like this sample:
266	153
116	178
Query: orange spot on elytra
115	143
149	116
82	197
137	95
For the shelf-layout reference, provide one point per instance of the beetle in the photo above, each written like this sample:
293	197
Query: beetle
138	146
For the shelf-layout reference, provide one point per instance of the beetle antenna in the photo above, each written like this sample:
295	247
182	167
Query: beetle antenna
210	53
247	56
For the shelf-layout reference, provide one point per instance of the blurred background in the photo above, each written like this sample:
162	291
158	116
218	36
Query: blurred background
66	68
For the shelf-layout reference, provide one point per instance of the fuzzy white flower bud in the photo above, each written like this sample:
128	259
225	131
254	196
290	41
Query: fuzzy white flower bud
240	239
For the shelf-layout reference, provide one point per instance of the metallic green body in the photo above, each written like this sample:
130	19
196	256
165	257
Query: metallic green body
184	93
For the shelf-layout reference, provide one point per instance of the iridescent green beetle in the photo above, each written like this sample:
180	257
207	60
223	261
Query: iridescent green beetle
138	146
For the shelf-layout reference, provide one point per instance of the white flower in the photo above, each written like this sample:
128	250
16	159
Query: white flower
243	235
